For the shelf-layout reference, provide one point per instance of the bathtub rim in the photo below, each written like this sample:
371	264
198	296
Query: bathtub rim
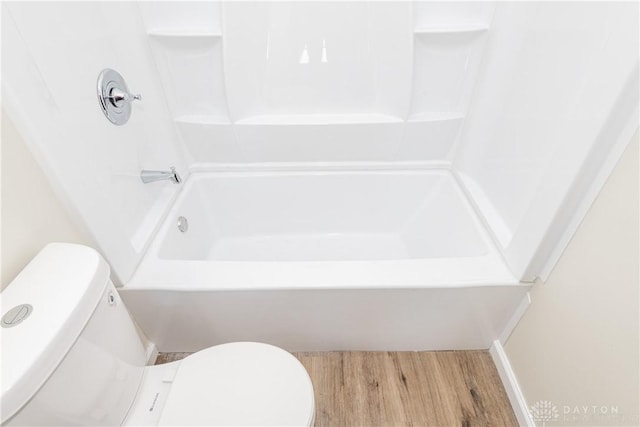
204	275
157	273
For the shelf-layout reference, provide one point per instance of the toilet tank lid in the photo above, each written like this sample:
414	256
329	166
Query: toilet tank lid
63	285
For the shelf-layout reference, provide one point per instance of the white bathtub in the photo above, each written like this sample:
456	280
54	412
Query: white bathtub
313	260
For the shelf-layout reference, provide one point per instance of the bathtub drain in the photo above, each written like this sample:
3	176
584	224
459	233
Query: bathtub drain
183	224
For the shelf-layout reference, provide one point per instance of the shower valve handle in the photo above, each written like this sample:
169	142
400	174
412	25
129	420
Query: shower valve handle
118	97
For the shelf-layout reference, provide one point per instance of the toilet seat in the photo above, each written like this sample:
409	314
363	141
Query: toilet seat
242	383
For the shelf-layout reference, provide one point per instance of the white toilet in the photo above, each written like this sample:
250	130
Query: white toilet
71	355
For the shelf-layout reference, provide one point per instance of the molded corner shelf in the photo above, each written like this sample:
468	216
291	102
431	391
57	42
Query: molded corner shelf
461	29
198	99
318	119
434	116
179	35
203	119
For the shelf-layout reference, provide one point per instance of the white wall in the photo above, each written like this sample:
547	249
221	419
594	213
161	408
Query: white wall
308	82
32	215
52	53
578	343
229	84
226	84
557	89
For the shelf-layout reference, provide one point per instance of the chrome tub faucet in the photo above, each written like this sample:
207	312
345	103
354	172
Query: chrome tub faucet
152	176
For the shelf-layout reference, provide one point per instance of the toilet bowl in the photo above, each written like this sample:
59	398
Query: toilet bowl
71	355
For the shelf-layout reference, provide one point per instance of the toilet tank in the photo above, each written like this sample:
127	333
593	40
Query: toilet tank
71	354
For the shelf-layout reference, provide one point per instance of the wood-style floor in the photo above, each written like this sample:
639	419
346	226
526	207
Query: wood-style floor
443	388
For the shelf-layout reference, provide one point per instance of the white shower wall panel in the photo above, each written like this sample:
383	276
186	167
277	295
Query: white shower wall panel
299	58
52	53
194	17
522	101
318	81
557	86
309	142
221	82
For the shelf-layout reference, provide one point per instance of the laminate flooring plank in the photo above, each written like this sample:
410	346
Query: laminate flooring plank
443	388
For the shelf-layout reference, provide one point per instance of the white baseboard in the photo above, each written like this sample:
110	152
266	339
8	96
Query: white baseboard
516	398
152	353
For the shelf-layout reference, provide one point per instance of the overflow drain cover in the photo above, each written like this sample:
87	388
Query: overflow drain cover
183	224
16	315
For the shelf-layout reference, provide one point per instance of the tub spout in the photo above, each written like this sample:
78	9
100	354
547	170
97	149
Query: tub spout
152	176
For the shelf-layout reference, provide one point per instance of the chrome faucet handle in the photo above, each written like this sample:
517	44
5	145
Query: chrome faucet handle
114	97
118	97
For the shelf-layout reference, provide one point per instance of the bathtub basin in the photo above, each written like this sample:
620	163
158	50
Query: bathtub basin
308	260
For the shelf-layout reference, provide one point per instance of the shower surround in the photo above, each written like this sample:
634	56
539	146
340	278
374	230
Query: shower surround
357	175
